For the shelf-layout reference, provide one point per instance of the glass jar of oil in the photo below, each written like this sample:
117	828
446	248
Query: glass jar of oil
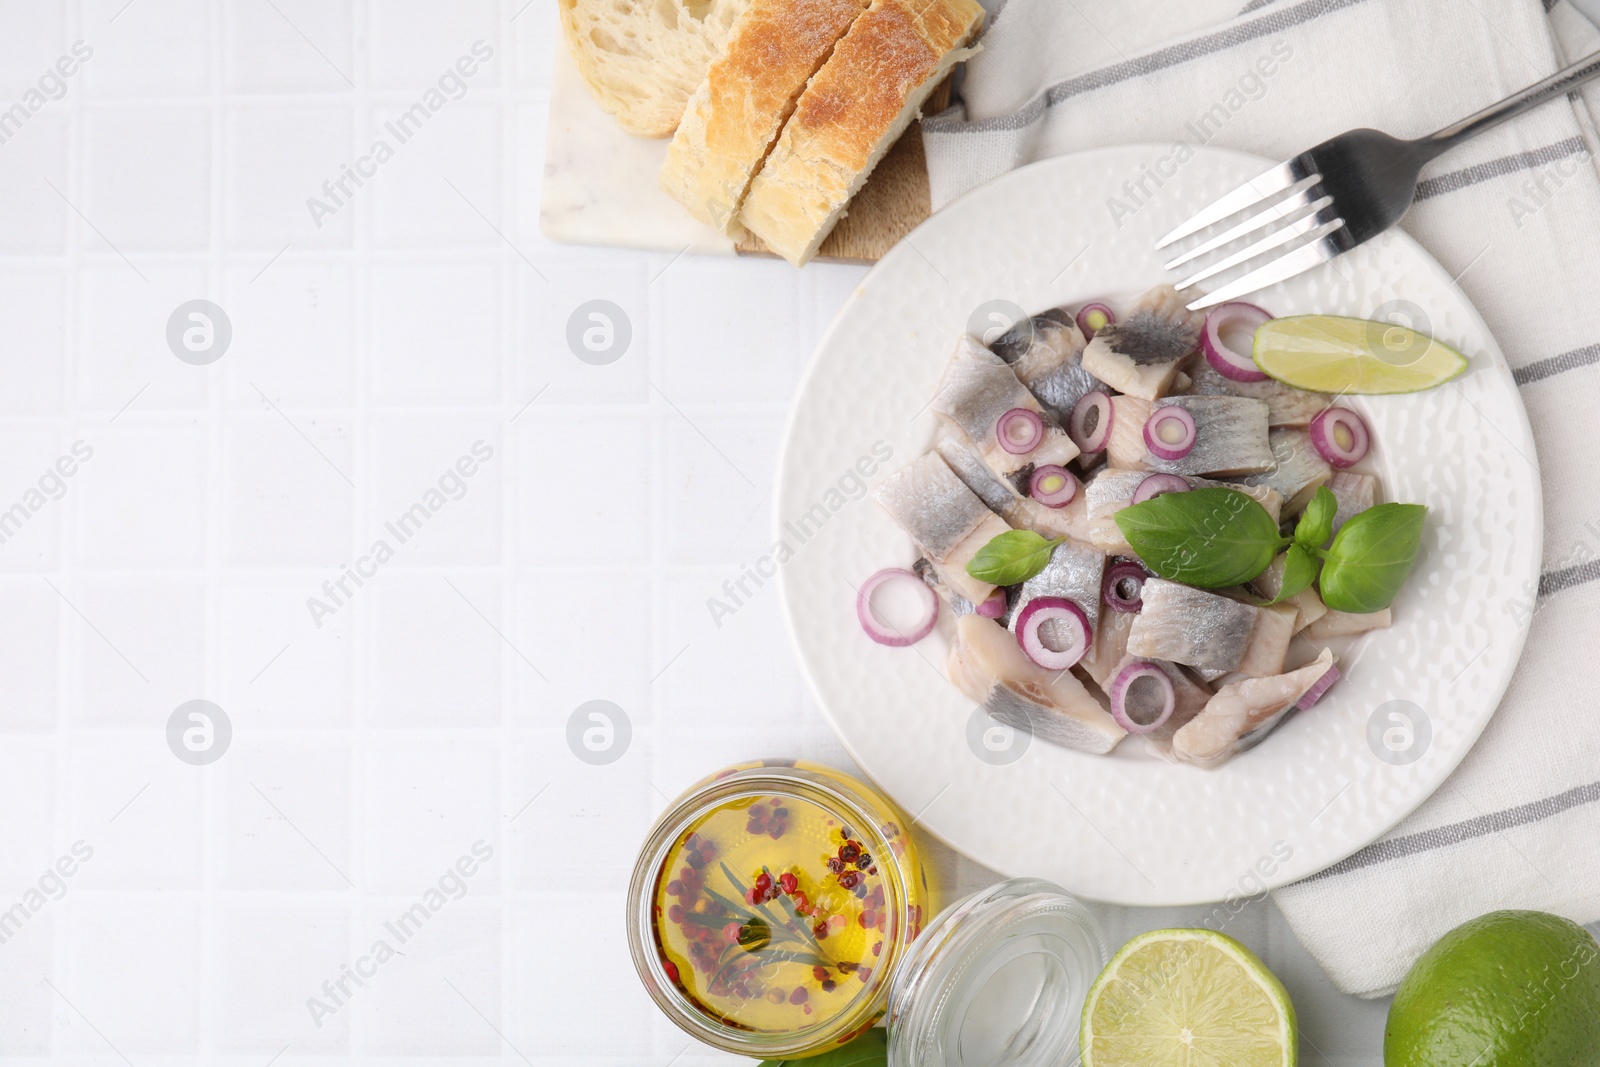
771	905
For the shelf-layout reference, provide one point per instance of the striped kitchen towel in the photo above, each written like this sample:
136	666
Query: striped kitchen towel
1516	216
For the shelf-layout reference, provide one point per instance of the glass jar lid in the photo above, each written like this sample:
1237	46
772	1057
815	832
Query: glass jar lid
997	979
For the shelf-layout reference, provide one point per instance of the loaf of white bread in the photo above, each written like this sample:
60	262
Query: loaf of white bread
748	94
856	106
643	58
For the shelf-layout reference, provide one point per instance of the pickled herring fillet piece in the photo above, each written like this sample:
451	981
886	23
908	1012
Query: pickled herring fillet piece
1345	624
1230	437
1141	354
976	390
1269	641
959	605
1242	713
987	665
1046	353
1286	405
947	522
1022	512
1354	492
1299	471
1110	647
1192	627
1074	571
1125	450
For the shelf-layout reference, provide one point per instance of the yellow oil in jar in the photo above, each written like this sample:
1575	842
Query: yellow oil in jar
772	914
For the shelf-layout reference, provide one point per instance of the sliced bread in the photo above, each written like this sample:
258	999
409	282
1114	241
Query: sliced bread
749	93
853	111
643	59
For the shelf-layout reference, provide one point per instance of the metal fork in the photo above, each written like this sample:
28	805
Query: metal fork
1342	193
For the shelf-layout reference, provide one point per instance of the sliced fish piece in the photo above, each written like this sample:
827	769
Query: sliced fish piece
1243	712
1269	642
1286	405
1110	647
1046	353
987	665
1125	450
1074	571
959	605
948	523
1298	472
1230	437
1191	626
1355	494
1022	512
976	390
1307	604
1345	624
1142	353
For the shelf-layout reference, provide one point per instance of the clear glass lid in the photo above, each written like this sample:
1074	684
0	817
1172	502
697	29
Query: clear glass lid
997	980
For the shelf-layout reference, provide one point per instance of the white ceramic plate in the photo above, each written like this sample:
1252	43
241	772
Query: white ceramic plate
1131	828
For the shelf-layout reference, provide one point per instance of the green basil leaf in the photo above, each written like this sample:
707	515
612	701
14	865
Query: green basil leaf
1208	538
1316	522
1371	558
1299	570
1012	557
871	1049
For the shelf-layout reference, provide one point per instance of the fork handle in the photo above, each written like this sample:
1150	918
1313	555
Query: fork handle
1557	84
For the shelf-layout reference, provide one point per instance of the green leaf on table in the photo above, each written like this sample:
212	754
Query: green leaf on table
1316	522
1369	561
1208	538
1299	570
871	1049
1012	557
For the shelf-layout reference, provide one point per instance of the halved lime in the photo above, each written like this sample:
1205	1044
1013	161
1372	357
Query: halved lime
1333	354
1187	998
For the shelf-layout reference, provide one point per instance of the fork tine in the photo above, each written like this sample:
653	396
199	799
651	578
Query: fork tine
1247	195
1281	210
1301	228
1287	266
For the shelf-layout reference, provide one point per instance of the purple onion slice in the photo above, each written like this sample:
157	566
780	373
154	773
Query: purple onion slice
1341	437
1123	587
1090	425
1142	698
1092	318
1071	632
1315	693
883	632
1020	431
1170	432
1052	485
1229	337
1157	484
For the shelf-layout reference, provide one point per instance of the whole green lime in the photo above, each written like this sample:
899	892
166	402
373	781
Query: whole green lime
1509	988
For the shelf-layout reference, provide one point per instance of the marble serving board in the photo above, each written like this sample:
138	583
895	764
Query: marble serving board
600	187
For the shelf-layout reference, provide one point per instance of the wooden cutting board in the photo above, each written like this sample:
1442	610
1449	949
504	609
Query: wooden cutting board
599	187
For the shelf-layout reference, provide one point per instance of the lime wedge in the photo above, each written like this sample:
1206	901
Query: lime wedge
1186	998
1331	354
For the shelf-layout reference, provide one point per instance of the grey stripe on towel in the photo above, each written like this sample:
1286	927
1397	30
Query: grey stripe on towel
1567	577
1444	836
1275	21
1541	369
1494	168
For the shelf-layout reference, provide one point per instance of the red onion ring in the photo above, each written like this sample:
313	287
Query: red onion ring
993	606
1031	428
1043	609
883	633
1157	484
1324	683
1111	587
1092	318
1131	674
1330	426
1063	494
1155	432
1229	361
1094	403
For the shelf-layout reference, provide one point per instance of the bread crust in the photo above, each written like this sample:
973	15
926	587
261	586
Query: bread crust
738	112
855	107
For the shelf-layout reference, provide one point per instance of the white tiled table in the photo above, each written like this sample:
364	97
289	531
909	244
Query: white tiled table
427	712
